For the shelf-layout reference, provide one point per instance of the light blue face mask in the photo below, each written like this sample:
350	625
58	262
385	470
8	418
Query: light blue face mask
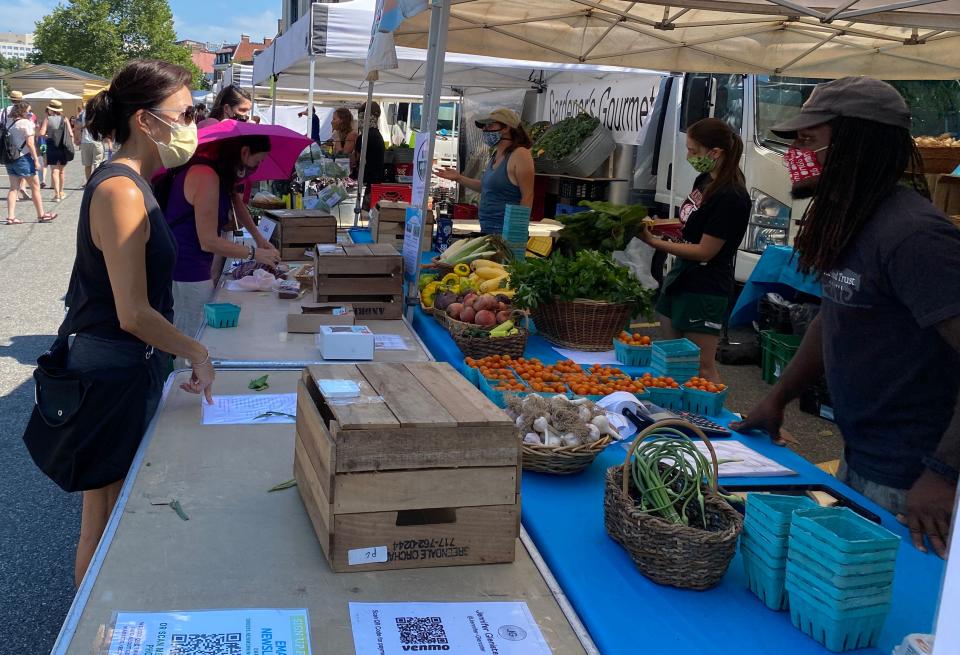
491	138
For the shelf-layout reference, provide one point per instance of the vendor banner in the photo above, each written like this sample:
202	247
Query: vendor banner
624	105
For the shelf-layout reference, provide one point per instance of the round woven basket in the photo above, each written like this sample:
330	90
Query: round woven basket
561	460
479	347
939	159
581	324
677	555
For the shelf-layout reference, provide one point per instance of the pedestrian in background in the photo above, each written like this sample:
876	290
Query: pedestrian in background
231	103
15	97
24	169
91	150
60	147
202	112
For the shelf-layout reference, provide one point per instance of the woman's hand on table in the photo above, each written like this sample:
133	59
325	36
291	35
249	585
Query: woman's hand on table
201	379
451	174
268	256
929	511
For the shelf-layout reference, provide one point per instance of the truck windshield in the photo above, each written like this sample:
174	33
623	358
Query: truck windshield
935	105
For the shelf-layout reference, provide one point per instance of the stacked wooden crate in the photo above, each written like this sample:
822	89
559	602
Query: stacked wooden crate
421	470
388	223
369	277
300	230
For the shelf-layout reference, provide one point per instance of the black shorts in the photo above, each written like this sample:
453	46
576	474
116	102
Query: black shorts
56	156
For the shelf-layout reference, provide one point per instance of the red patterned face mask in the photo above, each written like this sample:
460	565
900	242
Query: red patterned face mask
802	164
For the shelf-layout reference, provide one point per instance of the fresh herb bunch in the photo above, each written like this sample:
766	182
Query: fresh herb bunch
587	274
565	137
606	227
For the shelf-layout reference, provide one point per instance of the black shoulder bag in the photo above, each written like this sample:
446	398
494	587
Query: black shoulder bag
86	426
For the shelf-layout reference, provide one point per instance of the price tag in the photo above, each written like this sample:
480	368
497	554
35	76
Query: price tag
267	227
372	555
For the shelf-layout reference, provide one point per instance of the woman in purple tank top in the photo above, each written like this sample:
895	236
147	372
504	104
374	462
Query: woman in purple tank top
196	201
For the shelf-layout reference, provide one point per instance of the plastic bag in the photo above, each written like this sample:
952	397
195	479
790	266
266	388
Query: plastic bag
331	196
638	257
260	280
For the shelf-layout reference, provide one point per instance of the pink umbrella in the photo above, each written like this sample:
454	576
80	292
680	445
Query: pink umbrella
285	146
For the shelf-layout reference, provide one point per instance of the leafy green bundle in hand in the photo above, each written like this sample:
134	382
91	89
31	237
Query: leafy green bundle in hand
587	274
606	227
565	137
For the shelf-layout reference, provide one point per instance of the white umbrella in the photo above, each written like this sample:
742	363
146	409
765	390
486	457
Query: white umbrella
51	93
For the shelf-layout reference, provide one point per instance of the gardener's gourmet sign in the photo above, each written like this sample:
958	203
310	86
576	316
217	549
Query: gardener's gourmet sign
624	105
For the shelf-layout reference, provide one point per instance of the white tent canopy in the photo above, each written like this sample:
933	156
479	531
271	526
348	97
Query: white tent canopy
910	39
337	35
51	93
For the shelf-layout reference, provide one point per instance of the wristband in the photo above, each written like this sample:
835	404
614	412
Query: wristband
253	253
941	468
200	363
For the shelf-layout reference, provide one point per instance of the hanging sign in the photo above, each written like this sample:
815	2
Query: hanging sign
421	152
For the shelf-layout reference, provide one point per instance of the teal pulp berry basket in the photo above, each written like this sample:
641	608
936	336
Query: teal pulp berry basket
771	557
850	575
222	314
704	403
766	583
802	542
666	398
631	355
845	530
776	510
843	599
836	630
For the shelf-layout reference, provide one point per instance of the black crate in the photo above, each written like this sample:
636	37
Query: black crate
572	192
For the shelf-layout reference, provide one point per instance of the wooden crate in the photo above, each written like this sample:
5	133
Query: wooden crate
422	469
389	223
300	230
369	277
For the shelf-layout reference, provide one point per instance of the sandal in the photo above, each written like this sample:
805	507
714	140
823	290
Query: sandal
46	218
14	221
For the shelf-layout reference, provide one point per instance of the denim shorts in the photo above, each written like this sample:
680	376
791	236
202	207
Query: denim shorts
89	353
23	167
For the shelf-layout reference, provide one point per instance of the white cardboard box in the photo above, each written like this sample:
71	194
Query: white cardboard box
345	342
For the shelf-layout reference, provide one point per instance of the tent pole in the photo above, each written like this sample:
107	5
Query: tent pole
677	104
273	101
364	131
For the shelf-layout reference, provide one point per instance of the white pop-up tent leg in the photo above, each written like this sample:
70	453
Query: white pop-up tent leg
677	105
312	85
364	130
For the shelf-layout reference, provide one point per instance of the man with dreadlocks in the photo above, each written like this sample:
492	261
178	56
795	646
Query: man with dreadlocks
888	333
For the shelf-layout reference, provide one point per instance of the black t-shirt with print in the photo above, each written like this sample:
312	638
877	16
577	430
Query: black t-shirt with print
723	215
893	379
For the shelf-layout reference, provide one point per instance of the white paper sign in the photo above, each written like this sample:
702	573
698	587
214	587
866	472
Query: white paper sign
390	342
266	227
213	631
624	105
461	628
421	167
372	555
250	409
411	244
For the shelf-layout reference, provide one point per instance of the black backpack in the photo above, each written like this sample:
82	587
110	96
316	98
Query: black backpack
9	153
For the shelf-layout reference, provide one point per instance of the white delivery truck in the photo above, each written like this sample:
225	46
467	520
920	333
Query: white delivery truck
752	104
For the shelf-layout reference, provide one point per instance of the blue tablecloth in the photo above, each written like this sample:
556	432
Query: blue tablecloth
628	614
774	272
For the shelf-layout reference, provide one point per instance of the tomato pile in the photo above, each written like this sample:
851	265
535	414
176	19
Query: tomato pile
635	339
704	384
659	383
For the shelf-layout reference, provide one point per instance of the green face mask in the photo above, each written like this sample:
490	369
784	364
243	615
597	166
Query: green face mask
702	163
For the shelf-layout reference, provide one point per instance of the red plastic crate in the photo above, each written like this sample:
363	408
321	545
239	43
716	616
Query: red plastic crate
390	193
464	212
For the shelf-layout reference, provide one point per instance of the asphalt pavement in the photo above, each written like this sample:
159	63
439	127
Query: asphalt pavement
39	523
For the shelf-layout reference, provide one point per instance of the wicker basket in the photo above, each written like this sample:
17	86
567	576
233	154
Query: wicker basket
479	347
939	159
561	460
676	555
581	324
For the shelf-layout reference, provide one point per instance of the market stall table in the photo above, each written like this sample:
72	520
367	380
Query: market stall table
244	547
261	338
777	272
621	608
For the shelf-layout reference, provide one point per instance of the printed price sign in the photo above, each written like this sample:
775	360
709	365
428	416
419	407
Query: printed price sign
411	244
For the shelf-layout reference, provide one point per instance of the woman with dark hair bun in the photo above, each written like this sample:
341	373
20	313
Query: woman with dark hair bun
120	299
231	103
695	293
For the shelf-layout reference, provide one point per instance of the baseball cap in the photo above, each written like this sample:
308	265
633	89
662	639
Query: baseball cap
503	116
16	96
850	97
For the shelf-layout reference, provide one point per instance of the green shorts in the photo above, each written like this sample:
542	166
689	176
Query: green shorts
694	312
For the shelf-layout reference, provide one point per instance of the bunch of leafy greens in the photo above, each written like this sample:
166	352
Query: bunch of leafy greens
605	227
565	137
587	274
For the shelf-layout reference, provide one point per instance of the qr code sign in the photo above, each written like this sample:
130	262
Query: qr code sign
206	644
421	631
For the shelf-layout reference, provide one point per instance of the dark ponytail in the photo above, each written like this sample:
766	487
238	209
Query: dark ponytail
229	96
714	133
141	84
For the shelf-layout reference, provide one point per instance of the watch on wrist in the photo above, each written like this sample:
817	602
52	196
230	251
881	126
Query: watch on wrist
941	468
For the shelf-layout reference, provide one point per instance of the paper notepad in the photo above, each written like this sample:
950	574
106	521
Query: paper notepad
250	409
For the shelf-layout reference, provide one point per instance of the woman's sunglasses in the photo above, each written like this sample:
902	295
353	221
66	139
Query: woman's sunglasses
186	117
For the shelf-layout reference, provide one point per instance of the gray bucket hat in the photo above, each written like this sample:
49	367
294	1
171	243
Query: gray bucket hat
851	97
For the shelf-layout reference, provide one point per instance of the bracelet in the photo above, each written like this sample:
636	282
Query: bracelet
205	360
253	253
941	468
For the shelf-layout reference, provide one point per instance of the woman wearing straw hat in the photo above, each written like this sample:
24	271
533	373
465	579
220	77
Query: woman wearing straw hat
59	137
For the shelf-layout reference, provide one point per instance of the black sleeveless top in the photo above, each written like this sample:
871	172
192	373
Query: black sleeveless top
90	296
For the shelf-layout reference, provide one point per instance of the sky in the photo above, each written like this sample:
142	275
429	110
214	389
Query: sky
202	20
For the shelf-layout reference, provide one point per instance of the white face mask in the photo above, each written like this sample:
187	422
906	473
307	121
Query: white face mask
182	144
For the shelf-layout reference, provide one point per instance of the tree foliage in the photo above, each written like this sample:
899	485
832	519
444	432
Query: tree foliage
99	36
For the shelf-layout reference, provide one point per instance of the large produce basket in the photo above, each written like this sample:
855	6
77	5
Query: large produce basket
581	324
939	159
480	347
677	555
561	460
